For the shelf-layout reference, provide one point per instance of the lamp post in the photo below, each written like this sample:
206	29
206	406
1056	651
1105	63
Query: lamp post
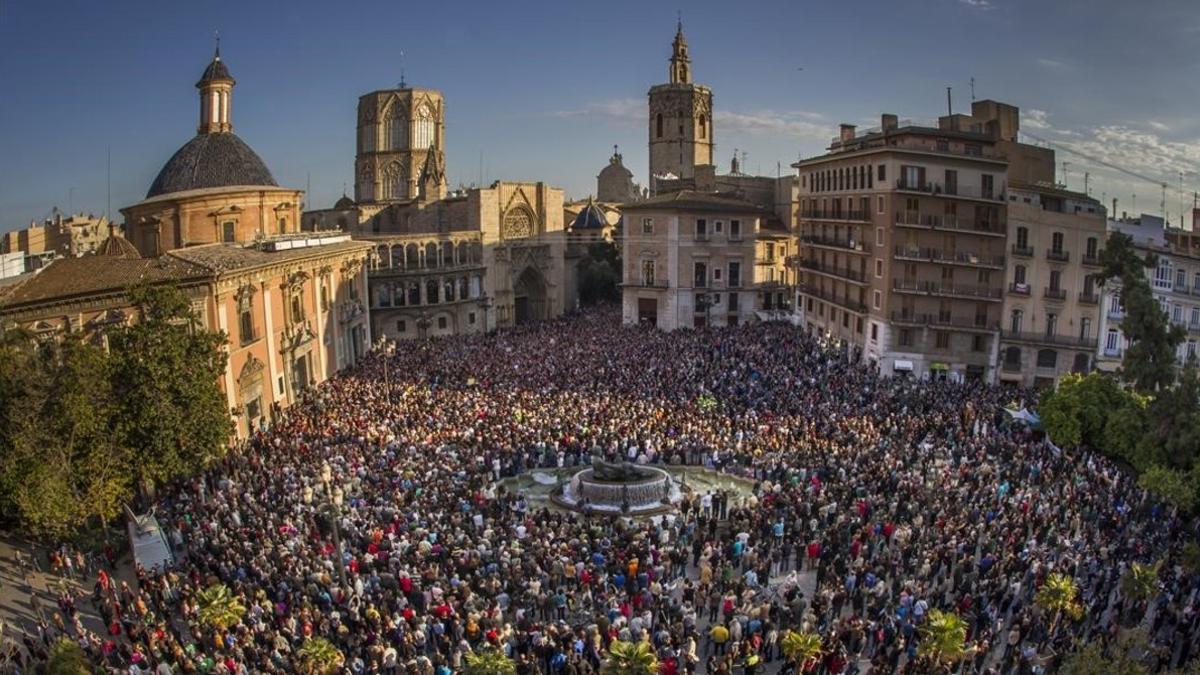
704	301
387	348
334	510
422	327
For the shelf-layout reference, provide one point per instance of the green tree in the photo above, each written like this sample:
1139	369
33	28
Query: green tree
66	657
600	274
1059	595
1139	584
68	466
218	607
943	639
1077	411
1176	488
1173	437
1124	428
489	662
1149	362
802	649
319	656
167	370
630	658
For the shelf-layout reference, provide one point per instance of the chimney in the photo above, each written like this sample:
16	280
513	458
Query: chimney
888	122
1114	211
706	178
847	133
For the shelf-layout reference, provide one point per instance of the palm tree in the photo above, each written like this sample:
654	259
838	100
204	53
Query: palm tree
67	658
1059	595
489	662
218	607
802	649
318	656
943	639
630	658
1139	584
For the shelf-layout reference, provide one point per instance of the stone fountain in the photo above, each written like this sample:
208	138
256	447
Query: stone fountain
619	489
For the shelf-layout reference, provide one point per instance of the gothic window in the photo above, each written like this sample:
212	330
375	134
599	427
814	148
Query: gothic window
431	257
658	125
367	138
397	130
366	181
463	288
703	127
518	224
395	183
431	291
423	127
447	254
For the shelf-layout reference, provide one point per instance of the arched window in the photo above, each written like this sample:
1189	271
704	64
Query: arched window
412	259
1081	363
423	127
1022	237
397	256
463	255
1015	325
431	259
703	127
658	125
447	253
431	291
1047	358
395	182
1012	358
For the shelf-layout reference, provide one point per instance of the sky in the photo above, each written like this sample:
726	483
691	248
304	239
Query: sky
542	90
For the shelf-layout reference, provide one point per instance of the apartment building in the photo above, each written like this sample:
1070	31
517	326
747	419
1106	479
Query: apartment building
1174	281
692	259
1051	302
902	234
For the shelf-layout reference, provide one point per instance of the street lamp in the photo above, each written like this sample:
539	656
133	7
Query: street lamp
423	326
334	511
387	348
704	301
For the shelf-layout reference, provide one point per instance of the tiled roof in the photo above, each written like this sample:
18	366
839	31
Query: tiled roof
67	278
228	257
211	160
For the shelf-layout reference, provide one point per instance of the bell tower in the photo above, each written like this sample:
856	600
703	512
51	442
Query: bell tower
216	96
681	131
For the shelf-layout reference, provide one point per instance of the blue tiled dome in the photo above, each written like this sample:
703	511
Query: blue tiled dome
590	218
211	160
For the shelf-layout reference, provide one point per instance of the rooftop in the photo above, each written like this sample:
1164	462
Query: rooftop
691	200
219	258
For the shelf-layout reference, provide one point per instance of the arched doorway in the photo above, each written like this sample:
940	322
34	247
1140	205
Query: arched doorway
529	297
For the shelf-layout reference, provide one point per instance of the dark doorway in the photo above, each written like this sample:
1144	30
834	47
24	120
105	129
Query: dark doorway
648	311
529	297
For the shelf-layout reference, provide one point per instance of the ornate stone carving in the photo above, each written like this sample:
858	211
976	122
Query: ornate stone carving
518	224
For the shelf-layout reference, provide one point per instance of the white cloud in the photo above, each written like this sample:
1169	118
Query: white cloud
982	5
1158	126
626	109
1053	64
793	125
1032	118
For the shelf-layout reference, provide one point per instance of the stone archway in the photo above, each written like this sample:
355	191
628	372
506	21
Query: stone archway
529	297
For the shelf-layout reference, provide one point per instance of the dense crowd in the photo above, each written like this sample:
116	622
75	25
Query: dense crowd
898	496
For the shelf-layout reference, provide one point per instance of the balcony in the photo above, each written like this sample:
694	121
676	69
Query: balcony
949	223
1088	298
653	284
855	276
840	244
1092	260
1018	289
1087	342
1113	352
701	236
943	320
951	190
1181	289
836	214
852	305
1116	313
1023	251
939	256
1055	293
939	289
1057	255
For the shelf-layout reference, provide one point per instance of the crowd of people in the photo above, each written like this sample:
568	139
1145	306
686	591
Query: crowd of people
371	515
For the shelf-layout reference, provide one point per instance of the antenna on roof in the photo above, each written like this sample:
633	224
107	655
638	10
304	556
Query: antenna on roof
679	20
949	107
217	39
972	89
402	83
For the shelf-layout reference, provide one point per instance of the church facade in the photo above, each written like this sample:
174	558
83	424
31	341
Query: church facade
445	263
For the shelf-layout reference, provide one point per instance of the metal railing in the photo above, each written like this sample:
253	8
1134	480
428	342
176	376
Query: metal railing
938	222
1023	251
852	305
832	242
939	256
1049	339
936	288
846	273
943	320
836	214
1018	289
1057	255
933	188
1090	260
1055	293
1088	298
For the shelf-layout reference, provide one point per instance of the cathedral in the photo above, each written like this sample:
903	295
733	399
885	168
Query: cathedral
445	263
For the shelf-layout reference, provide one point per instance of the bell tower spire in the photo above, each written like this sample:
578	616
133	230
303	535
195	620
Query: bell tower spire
216	95
681	64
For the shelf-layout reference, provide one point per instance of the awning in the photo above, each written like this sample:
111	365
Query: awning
902	365
938	365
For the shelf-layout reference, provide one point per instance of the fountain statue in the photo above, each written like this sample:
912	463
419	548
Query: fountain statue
624	472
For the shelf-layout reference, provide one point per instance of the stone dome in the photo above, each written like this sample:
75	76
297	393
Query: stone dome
211	160
344	203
